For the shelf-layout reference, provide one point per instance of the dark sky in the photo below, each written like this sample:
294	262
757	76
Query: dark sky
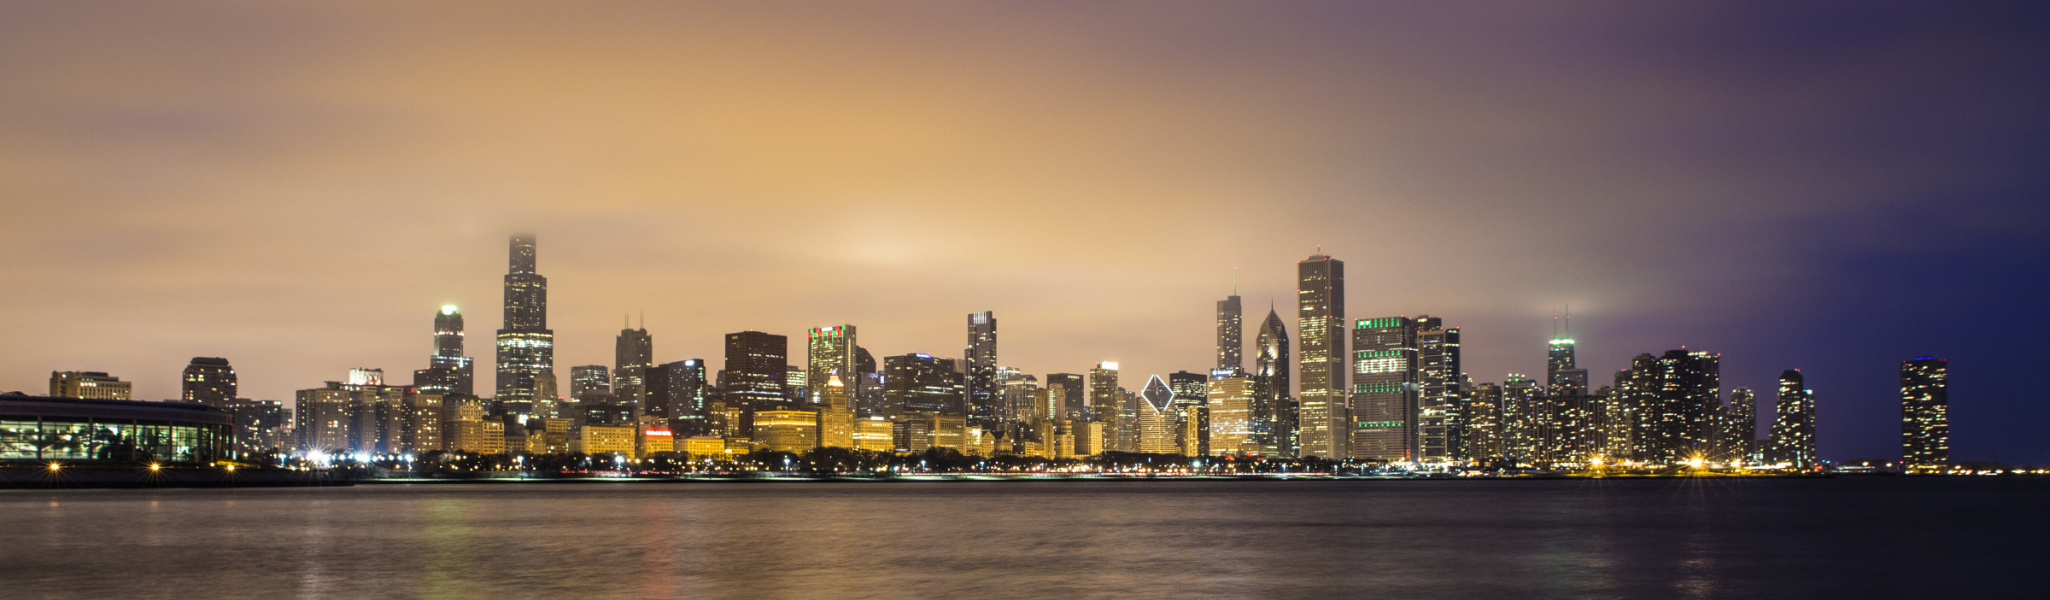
1833	187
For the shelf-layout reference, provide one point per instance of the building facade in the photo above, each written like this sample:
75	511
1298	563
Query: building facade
1320	327
1925	414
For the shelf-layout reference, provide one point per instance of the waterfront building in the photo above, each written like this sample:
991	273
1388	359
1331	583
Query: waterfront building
922	384
1230	330
209	381
1741	427
598	440
1692	396
1793	422
448	370
702	447
756	366
1482	436
830	350
89	385
633	353
70	430
1525	419
1230	407
874	433
1274	412
261	426
912	433
1440	392
1320	325
526	347
1383	404
1637	391
980	362
1156	423
1925	414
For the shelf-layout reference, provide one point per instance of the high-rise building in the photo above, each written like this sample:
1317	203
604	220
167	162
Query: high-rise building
830	350
633	353
1925	414
89	385
1793	422
1693	399
1740	428
796	387
1190	389
1384	389
756	366
526	347
1273	411
922	384
1562	376
1231	401
1440	392
1230	330
1070	395
209	381
1018	395
448	371
1481	425
681	393
1192	410
836	413
1105	405
1320	329
590	383
1525	420
1156	422
982	369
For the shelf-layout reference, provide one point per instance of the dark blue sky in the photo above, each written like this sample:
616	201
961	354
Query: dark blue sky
1833	187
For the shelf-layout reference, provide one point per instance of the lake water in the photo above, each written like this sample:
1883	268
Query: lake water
1672	538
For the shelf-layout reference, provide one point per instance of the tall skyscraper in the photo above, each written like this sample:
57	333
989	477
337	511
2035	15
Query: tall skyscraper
1562	376
1156	421
681	393
1481	424
1385	386
1231	397
982	370
1106	404
209	381
1793	422
1740	427
526	347
922	384
1070	395
1925	414
830	350
1271	413
448	371
1230	327
633	353
1440	380
1675	402
1320	325
1525	421
756	365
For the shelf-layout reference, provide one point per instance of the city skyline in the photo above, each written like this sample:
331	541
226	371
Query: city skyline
1719	212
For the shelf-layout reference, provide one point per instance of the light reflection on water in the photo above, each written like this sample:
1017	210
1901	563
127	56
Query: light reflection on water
1442	539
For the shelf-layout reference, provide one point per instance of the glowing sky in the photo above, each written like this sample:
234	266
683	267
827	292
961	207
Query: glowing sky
299	188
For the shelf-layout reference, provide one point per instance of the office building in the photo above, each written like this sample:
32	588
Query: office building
1070	395
1440	392
1384	389
836	413
526	347
590	383
922	384
448	370
1793	422
88	385
1740	428
795	431
1274	411
1482	435
1230	332
831	350
1925	414
1230	408
1155	425
680	392
1320	325
1106	405
633	353
981	365
209	381
756	366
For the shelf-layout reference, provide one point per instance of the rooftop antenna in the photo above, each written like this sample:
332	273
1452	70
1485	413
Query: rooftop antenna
1555	324
1569	318
1234	280
644	319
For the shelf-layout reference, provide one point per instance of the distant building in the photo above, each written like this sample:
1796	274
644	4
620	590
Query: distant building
836	414
830	350
1069	395
1440	393
1925	414
981	365
756	366
633	354
1525	420
448	370
88	385
1793	423
1156	422
1230	407
526	346
1740	427
590	383
1384	389
1274	411
922	384
1482	434
209	381
873	433
1230	332
1320	325
680	392
1106	406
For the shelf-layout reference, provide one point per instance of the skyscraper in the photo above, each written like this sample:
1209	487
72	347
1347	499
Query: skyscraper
1156	422
590	383
1562	377
1271	413
1481	425
982	370
209	381
1925	414
1230	328
922	384
1320	323
1384	392
1070	395
756	365
1231	396
526	347
680	392
633	353
830	350
1675	401
448	371
1793	422
1106	405
1440	380
1740	426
